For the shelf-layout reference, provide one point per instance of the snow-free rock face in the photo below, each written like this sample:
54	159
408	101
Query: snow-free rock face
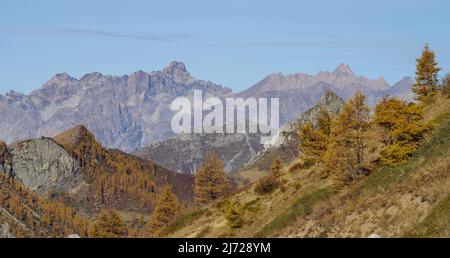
185	152
298	92
43	164
124	112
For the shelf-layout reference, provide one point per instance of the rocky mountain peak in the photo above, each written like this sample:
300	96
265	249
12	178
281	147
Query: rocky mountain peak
62	77
58	79
91	76
329	97
343	69
177	70
74	136
14	95
407	80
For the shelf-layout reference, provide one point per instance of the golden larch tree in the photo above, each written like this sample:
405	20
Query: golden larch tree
210	180
403	126
427	70
324	121
345	157
109	224
165	210
313	143
270	182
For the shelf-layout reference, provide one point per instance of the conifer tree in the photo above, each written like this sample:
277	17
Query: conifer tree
324	121
270	182
233	212
109	224
277	165
313	143
165	211
210	180
345	155
427	71
403	127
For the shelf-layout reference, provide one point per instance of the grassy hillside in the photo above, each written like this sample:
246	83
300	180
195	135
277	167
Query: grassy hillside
411	199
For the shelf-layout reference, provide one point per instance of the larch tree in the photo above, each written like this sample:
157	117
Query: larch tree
313	143
277	165
210	180
427	70
403	126
345	157
166	209
109	224
324	121
270	182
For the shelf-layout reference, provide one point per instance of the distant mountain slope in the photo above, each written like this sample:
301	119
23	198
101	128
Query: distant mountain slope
185	152
124	112
299	91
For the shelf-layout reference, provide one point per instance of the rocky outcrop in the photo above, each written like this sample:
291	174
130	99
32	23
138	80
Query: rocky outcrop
42	164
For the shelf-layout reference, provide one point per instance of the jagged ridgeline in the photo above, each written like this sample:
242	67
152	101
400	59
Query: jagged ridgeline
132	111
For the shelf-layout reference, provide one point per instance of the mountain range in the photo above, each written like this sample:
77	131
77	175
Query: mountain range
124	112
132	111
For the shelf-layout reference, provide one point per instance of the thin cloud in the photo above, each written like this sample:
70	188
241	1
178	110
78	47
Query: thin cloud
168	38
151	37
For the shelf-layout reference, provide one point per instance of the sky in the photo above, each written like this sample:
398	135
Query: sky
234	43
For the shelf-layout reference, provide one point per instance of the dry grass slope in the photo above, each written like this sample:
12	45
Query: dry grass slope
412	199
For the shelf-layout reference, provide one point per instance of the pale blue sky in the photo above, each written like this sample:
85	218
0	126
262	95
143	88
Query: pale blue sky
232	42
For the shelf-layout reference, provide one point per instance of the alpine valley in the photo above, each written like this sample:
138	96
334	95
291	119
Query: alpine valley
96	157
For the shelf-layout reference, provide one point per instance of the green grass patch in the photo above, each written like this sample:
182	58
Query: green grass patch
302	206
183	221
436	224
